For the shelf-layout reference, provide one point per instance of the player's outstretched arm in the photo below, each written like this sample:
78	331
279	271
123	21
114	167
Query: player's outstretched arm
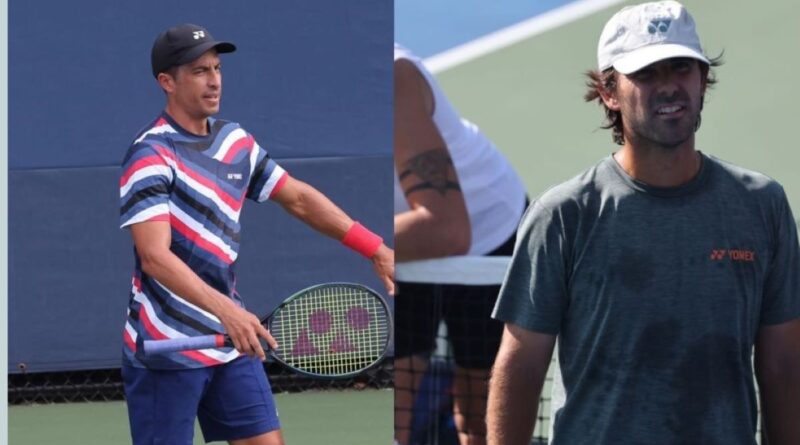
437	223
516	384
777	360
313	208
152	240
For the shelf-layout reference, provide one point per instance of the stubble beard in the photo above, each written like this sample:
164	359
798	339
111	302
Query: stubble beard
203	111
668	135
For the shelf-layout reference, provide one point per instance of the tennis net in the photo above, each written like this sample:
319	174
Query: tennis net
435	399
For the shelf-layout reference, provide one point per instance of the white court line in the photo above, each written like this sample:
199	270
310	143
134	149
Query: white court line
515	33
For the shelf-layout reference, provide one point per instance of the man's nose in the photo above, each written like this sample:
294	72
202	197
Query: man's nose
214	79
667	82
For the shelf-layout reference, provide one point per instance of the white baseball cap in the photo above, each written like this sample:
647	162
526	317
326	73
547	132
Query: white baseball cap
643	34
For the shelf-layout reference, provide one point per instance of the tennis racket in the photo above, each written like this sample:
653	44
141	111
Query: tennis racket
332	330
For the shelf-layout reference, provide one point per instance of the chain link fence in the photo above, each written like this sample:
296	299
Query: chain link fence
106	384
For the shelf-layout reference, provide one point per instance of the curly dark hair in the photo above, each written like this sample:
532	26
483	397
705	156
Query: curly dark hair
607	80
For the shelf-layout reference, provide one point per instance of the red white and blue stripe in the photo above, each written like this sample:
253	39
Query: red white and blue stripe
198	184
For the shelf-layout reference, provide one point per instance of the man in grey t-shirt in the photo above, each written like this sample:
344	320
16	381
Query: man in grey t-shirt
658	270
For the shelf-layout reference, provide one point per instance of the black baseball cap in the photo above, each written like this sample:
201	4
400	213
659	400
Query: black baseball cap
183	44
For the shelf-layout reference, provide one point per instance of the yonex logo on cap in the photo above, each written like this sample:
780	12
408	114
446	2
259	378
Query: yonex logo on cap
659	26
641	35
183	44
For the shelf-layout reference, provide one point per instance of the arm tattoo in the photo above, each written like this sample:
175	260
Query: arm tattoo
433	168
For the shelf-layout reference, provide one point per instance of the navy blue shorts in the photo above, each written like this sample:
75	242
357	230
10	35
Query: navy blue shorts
231	401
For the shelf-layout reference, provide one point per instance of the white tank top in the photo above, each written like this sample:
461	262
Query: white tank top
494	194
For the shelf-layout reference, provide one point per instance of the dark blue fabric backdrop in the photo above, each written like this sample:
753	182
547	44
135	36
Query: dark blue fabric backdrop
311	80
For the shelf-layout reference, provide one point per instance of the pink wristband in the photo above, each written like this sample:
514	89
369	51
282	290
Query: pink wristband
360	239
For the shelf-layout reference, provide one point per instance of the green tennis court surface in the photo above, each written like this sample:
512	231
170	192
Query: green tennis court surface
312	417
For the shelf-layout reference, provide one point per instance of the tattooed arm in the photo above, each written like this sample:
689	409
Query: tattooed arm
437	224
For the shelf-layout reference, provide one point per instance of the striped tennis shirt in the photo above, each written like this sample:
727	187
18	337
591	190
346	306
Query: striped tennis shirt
198	184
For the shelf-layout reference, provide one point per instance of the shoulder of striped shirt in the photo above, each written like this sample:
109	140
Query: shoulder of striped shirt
161	146
234	126
148	135
161	129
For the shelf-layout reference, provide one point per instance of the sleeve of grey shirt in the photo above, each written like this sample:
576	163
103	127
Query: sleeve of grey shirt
533	295
781	300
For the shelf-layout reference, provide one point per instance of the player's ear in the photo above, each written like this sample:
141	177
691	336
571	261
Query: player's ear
609	98
167	82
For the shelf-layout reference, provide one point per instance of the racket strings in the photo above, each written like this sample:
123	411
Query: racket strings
332	330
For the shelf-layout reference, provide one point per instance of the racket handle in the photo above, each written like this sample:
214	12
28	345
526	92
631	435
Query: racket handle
151	347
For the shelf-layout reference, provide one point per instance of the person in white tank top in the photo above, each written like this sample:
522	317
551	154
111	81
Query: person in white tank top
454	194
428	130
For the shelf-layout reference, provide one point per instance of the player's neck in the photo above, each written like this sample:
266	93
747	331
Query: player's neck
194	125
659	166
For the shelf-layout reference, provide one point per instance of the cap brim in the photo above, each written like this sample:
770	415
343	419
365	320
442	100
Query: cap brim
194	53
640	58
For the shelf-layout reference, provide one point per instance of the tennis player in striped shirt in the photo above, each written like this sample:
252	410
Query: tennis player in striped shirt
183	183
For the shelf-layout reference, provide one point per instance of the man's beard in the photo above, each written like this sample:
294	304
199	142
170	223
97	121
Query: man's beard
667	134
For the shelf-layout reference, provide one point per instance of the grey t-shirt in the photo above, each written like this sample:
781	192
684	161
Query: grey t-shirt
656	295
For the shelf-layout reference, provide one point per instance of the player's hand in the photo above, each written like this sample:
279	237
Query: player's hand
244	329
383	263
